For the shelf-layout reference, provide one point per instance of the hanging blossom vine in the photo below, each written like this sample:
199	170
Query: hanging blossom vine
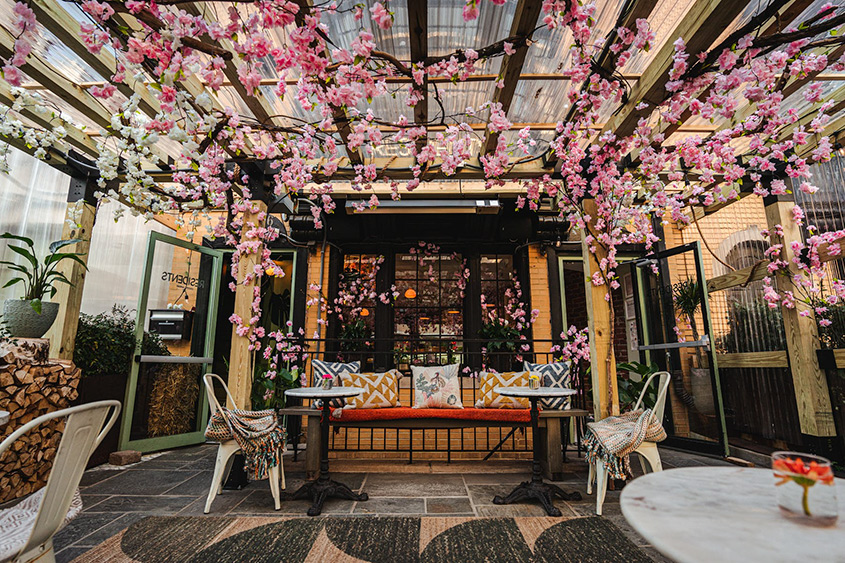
739	84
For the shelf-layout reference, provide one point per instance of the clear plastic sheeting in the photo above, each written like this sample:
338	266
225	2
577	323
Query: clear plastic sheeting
32	204
116	260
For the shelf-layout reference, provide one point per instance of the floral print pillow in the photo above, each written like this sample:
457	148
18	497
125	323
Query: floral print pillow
437	387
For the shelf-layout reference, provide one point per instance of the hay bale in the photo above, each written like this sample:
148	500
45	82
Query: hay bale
173	399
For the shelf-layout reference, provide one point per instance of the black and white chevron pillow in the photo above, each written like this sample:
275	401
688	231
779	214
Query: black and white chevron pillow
319	368
557	374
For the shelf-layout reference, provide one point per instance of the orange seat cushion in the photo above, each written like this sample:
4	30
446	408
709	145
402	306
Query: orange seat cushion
399	413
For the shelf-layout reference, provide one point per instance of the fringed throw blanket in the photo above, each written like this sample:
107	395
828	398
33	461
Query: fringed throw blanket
613	439
257	433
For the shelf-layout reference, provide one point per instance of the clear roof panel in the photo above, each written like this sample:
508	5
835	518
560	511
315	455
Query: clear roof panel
540	101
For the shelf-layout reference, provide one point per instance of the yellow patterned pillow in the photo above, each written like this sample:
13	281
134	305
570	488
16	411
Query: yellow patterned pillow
381	390
487	398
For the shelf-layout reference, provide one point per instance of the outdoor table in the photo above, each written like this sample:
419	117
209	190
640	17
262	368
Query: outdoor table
725	514
536	488
4	417
324	487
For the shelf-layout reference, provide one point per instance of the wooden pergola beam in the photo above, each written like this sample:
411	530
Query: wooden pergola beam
341	119
524	22
258	105
66	28
641	9
700	27
418	32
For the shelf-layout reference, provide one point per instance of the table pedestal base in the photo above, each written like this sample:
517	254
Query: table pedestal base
540	491
320	490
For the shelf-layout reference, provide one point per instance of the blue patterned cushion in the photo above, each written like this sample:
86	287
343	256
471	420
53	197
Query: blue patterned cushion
319	368
554	375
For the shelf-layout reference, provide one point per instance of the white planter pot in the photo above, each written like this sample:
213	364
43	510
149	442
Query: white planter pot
22	320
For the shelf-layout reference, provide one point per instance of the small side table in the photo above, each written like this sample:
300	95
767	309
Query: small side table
535	488
4	418
324	487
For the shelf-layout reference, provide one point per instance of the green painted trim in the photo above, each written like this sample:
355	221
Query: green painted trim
705	307
642	314
164	442
562	288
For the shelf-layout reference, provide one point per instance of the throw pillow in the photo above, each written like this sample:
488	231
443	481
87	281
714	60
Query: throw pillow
437	387
556	375
319	368
490	399
381	390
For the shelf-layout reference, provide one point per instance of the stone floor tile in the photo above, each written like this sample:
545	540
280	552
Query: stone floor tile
483	494
115	526
221	505
414	485
152	504
94	476
81	526
495	478
447	505
89	501
261	503
385	505
141	482
199	484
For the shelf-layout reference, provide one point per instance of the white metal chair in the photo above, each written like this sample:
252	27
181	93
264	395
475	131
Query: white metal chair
647	450
227	450
27	529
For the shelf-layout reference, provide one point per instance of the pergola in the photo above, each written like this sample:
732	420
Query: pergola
528	78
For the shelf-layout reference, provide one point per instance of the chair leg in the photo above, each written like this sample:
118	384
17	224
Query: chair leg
591	479
648	452
273	477
601	485
224	454
282	469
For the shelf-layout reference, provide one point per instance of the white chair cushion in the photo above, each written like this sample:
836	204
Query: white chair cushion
16	522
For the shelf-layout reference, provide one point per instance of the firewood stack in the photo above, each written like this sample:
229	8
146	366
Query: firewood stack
31	385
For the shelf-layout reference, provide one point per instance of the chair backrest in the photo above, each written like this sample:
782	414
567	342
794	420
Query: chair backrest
85	428
662	389
213	404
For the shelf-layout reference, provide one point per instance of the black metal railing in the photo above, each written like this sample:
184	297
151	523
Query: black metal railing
473	356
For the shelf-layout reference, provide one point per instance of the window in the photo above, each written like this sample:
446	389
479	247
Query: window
497	284
355	302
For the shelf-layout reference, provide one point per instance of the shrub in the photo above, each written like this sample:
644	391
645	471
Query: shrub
105	343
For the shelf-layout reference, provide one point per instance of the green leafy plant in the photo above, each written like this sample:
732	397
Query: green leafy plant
39	278
354	335
630	390
500	335
105	343
687	297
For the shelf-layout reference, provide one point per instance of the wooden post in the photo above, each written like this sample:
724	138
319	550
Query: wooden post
240	357
79	223
600	322
802	336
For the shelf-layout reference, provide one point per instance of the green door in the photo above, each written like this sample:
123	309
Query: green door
166	404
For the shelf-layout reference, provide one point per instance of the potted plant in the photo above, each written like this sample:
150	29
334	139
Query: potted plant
31	316
687	298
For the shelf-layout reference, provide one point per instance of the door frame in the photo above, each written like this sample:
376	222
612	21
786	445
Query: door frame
198	436
721	445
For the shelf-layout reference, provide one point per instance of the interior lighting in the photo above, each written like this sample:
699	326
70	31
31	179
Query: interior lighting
410	293
365	312
453	312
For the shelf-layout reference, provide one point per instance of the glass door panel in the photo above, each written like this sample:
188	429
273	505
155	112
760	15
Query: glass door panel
165	402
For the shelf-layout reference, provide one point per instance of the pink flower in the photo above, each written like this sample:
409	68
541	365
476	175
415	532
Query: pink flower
381	16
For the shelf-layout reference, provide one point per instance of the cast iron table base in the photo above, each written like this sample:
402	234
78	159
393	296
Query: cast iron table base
324	487
536	489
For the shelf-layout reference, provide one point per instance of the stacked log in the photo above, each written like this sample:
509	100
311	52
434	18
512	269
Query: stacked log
31	385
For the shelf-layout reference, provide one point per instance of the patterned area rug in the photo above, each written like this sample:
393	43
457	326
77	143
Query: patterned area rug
371	539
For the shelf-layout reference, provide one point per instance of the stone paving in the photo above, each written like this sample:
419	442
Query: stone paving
177	482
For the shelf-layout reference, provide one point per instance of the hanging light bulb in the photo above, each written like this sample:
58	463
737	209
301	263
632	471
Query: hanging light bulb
365	312
410	293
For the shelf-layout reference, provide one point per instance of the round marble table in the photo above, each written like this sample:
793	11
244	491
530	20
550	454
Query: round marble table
535	488
324	487
725	514
4	418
